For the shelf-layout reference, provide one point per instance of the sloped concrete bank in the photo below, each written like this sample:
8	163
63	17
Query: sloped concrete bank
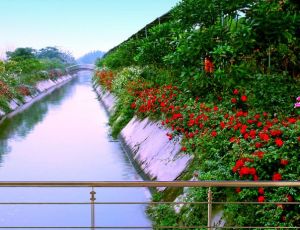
42	88
158	158
146	142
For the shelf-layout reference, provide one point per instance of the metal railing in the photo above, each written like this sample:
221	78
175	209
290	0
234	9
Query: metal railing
147	184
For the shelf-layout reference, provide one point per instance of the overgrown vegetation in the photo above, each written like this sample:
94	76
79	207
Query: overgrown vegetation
224	76
26	66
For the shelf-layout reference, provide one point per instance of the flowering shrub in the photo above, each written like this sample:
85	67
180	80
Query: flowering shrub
245	144
24	90
105	78
123	77
253	146
5	91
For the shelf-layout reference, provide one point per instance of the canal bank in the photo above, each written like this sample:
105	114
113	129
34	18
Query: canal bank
146	143
42	88
65	137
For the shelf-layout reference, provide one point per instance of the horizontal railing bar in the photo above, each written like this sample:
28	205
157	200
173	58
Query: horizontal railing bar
148	203
150	184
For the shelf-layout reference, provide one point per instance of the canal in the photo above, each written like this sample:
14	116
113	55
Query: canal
65	137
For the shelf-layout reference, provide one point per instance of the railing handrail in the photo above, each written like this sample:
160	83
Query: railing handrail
97	184
150	184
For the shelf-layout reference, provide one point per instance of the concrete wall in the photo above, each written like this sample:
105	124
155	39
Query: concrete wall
42	89
159	158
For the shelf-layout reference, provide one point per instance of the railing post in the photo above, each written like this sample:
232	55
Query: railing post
209	208
92	208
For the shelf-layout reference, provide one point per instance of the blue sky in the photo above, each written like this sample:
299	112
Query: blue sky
75	25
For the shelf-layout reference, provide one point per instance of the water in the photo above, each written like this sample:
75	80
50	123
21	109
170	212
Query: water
65	137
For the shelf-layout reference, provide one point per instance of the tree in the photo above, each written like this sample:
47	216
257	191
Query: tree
56	55
21	54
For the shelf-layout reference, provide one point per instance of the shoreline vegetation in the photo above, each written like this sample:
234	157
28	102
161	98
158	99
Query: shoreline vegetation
224	77
24	68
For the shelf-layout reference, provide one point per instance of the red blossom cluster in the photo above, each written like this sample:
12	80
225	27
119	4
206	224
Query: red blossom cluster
208	65
196	120
4	90
105	78
54	73
253	133
23	90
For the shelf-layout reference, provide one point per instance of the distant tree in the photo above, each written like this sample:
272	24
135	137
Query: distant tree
55	54
21	54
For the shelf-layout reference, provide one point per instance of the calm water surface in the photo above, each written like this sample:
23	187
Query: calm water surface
65	137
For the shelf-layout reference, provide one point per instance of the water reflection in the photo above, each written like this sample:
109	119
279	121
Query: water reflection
18	127
65	137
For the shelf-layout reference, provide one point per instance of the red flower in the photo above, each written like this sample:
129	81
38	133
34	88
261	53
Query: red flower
233	100
170	136
252	171
264	137
235	92
292	120
232	139
183	149
261	199
216	108
279	142
277	176
239	163
238	190
244	171
133	105
299	139
259	124
284	162
261	191
177	116
244	98
162	104
275	133
208	65
258	145
252	133
259	154
290	198
250	121
214	133
222	124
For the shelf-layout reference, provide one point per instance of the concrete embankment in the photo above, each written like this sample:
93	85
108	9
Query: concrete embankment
42	88
146	142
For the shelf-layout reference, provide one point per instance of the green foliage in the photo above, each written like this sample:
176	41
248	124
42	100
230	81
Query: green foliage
123	78
121	116
253	48
159	38
4	104
24	68
163	215
55	55
121	57
21	54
